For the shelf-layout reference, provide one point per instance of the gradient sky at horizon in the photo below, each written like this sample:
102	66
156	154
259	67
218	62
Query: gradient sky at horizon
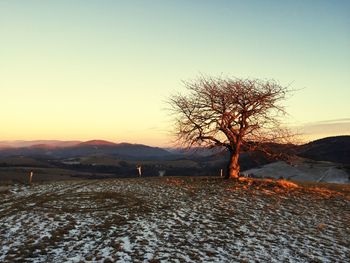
104	69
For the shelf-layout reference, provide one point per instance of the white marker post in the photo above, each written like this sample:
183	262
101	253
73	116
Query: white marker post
221	172
30	177
139	169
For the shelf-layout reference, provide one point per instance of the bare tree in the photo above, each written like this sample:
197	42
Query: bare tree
237	114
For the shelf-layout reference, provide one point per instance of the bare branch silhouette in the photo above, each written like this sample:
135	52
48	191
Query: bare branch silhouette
237	114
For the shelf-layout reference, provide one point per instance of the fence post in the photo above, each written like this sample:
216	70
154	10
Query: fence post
139	169
30	177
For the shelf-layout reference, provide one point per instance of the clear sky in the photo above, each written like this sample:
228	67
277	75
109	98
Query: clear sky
104	69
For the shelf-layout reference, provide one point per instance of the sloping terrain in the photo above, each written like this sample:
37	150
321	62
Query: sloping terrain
71	149
174	219
302	170
333	149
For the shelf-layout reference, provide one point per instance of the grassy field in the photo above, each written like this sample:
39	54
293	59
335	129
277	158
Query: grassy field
20	175
175	219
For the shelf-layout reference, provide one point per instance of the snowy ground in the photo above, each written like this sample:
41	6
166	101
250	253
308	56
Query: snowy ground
303	170
173	219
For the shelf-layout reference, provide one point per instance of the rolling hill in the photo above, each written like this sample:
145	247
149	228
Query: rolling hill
37	143
333	149
58	149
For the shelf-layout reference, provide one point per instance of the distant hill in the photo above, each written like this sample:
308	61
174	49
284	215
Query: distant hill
97	143
333	149
37	143
59	149
122	150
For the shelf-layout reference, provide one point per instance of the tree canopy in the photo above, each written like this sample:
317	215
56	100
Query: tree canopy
233	113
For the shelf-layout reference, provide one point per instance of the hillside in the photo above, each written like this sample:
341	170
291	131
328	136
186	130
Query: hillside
302	170
174	219
333	149
47	143
59	149
323	160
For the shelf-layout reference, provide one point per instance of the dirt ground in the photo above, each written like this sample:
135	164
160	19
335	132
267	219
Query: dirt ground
174	219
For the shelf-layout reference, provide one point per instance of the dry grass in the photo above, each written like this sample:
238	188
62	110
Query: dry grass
11	175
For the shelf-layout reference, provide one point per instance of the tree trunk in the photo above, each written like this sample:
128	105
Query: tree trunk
233	167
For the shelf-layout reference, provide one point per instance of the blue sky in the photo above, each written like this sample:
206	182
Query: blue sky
103	69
